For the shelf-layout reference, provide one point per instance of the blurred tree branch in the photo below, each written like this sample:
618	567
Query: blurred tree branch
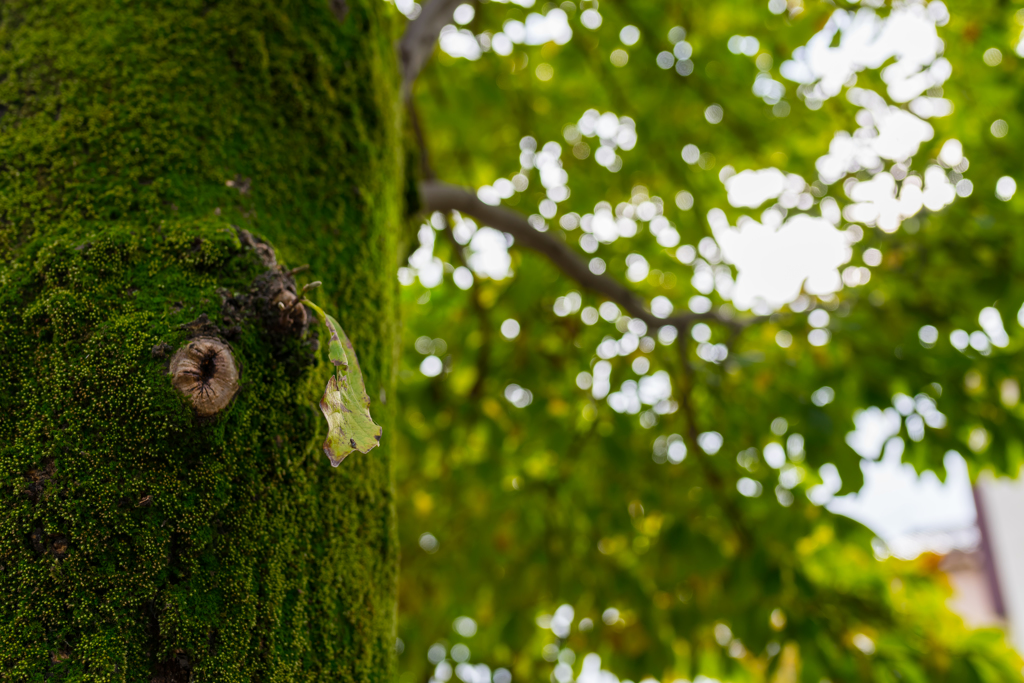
720	489
426	170
417	43
440	196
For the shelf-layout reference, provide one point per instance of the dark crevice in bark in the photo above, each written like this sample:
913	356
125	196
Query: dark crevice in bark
177	669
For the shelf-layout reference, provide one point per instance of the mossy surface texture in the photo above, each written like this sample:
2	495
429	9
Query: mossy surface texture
138	542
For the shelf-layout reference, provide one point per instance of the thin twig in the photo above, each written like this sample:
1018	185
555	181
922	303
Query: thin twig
692	431
426	170
439	196
300	298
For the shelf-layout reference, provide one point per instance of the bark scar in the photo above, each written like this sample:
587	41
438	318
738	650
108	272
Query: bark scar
205	371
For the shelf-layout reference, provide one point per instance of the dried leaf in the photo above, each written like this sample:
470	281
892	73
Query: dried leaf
345	402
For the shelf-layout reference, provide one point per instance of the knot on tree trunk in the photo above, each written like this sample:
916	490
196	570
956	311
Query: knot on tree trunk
205	369
279	304
274	291
206	372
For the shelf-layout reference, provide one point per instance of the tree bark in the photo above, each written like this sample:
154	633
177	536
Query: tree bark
150	152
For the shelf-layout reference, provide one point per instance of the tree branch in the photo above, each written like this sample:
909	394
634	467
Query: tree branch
439	196
426	170
686	382
417	43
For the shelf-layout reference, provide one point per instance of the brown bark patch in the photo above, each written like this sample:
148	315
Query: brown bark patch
160	350
54	545
340	9
37	478
263	250
177	669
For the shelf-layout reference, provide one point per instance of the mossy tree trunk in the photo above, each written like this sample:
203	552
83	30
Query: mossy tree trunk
140	541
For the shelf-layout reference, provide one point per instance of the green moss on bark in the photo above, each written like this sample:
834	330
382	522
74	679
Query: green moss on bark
138	542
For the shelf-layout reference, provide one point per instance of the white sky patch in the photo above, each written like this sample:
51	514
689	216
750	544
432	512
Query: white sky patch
552	176
606	227
429	269
873	427
876	202
489	254
751	189
913	513
591	671
992	323
952	153
886	132
409	8
626	399
459	43
931	107
463	228
538	29
773	263
768	89
900	133
938	191
867	41
655	388
614	132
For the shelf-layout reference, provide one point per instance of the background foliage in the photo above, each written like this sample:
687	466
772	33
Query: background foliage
562	522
